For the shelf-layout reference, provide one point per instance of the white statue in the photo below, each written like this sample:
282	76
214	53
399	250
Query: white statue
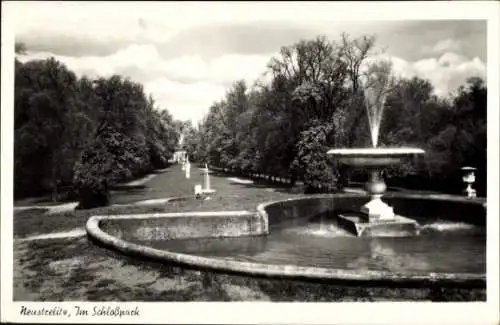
188	170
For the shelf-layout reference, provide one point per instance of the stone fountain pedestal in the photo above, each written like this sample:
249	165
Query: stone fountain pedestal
358	224
376	218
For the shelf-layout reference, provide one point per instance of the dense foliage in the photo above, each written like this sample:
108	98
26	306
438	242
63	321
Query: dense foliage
84	135
315	101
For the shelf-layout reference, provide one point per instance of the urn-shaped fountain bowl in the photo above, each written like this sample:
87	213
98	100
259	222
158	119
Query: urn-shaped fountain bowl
373	157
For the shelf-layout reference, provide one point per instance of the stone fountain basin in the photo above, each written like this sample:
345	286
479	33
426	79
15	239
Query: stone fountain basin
130	234
373	157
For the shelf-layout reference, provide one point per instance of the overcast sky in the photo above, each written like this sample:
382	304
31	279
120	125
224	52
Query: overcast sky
187	55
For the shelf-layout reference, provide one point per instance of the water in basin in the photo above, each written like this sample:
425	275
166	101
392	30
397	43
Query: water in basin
442	246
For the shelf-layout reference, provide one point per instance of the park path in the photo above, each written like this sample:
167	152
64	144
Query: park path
69	206
77	232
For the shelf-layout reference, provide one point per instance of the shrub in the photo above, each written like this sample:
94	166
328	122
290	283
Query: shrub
312	158
111	158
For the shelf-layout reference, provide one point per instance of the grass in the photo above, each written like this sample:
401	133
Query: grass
36	221
174	183
75	269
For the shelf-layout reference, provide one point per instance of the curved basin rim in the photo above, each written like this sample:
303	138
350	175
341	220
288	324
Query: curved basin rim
95	231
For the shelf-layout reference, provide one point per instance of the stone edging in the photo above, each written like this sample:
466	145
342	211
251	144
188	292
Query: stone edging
260	269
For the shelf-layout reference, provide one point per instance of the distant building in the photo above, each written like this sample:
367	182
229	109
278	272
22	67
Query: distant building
179	156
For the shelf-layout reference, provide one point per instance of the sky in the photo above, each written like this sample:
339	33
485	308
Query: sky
188	54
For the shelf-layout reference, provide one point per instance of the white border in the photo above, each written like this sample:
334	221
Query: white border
232	313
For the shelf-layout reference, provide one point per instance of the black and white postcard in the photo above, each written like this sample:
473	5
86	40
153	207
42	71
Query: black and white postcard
250	162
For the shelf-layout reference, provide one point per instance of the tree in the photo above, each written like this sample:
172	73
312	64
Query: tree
161	138
354	54
316	75
410	114
48	123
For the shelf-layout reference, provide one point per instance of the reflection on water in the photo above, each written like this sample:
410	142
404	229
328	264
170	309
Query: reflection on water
320	242
383	256
450	226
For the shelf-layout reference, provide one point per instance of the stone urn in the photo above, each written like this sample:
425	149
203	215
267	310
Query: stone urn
469	177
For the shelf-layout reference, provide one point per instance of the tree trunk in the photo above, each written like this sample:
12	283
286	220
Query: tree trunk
54	180
293	178
344	176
